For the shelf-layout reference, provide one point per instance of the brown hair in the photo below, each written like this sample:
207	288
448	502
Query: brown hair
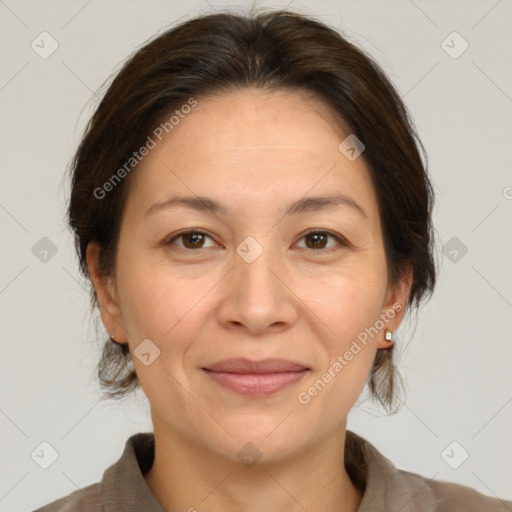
272	50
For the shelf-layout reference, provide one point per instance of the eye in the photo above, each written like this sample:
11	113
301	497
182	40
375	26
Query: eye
317	240
193	239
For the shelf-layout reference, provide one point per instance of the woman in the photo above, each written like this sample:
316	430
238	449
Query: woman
252	209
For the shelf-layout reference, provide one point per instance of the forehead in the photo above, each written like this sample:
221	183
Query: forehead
253	119
255	146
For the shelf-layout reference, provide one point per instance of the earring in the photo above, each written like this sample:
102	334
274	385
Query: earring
113	340
388	335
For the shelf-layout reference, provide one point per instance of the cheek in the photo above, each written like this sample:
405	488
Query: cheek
348	303
167	304
169	310
346	300
159	304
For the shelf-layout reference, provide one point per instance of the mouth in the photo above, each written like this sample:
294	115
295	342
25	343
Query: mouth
256	378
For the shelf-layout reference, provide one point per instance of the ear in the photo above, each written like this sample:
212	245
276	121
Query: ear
394	306
106	292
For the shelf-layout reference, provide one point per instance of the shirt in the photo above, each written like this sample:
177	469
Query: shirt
385	487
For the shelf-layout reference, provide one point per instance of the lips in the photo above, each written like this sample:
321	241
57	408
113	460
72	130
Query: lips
256	367
256	378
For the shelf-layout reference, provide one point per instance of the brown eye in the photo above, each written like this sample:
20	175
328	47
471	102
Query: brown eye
190	240
318	240
193	240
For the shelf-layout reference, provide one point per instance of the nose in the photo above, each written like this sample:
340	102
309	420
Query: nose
258	296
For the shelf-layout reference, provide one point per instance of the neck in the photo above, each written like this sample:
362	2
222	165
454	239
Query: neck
186	476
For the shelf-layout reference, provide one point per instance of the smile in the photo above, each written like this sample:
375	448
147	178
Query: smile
256	378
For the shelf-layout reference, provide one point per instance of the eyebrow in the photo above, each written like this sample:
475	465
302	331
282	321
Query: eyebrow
305	204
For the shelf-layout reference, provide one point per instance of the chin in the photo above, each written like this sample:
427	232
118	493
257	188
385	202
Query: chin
263	437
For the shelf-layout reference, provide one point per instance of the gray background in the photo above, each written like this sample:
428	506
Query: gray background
457	365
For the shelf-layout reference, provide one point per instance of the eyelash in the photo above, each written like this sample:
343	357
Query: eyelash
342	241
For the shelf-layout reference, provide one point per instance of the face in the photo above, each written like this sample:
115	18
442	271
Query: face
255	278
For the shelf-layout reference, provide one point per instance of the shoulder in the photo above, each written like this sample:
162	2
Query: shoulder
453	497
122	486
86	499
387	487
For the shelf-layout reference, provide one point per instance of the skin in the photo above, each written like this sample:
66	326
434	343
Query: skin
301	299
